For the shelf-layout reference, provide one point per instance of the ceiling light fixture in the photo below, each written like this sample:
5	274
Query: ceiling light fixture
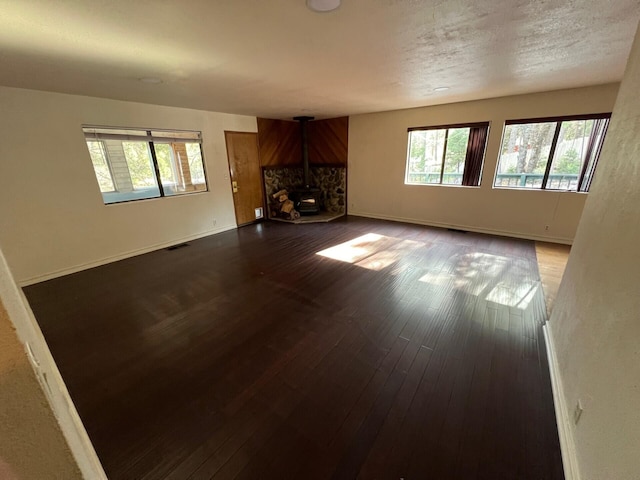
441	89
152	80
323	6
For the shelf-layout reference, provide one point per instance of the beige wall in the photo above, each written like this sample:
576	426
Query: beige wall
595	323
31	443
41	436
52	218
378	152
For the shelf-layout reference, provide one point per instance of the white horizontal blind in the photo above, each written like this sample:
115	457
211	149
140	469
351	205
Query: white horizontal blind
138	135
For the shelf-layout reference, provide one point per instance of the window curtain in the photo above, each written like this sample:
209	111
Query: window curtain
475	155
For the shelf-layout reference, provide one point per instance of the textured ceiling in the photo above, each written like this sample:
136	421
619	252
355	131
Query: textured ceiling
277	59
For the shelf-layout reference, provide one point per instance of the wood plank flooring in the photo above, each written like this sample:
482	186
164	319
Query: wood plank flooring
354	349
552	261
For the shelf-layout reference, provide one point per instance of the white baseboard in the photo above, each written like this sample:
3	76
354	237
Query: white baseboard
503	233
114	258
563	419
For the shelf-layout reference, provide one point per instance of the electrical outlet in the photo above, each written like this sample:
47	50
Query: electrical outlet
546	227
577	412
215	222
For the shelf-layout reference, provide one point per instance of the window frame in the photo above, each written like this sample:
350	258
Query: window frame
103	150
554	143
447	127
150	139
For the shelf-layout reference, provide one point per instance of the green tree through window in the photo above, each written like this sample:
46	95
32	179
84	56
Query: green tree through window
441	155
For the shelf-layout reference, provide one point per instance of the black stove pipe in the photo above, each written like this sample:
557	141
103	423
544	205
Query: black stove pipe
305	149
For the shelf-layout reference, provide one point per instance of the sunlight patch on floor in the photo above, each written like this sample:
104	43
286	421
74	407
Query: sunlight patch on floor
483	275
371	251
519	297
437	278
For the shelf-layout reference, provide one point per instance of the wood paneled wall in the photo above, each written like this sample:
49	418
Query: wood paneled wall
279	142
328	141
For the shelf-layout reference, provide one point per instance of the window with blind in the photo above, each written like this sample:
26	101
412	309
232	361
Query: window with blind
446	155
136	164
559	153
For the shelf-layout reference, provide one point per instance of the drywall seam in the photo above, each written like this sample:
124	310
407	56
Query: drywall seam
567	445
48	375
503	233
114	258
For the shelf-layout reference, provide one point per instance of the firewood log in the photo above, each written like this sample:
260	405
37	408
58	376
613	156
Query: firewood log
287	206
280	193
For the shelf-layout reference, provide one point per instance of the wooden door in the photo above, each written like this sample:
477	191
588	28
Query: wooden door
246	179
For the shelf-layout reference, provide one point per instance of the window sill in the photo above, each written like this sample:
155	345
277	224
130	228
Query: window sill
524	189
440	185
138	200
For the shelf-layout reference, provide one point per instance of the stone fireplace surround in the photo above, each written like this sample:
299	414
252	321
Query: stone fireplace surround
330	179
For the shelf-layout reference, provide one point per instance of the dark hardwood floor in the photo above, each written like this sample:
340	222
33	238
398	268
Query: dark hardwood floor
407	352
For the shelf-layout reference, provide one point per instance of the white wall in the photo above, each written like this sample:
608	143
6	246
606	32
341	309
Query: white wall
52	218
378	152
595	323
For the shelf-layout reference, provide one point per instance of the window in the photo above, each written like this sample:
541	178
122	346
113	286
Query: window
129	162
447	155
552	154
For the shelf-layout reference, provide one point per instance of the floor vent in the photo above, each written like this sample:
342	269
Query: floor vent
175	247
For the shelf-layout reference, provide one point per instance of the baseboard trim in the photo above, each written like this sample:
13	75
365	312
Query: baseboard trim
502	233
114	258
567	445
